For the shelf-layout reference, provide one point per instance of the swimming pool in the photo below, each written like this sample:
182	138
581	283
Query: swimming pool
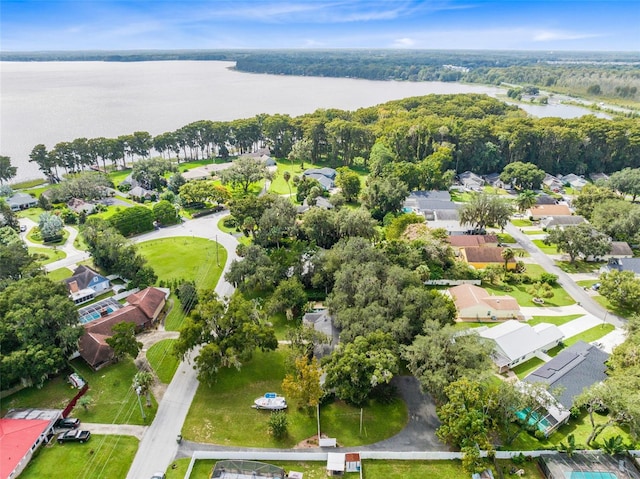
590	475
535	419
93	315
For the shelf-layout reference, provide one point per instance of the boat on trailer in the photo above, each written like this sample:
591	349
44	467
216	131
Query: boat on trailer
270	401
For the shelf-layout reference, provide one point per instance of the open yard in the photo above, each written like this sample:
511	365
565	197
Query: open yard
113	399
47	255
526	368
55	394
605	303
519	292
557	320
222	413
59	274
101	458
162	360
579	266
546	249
188	258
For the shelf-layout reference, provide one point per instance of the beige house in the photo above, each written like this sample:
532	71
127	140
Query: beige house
545	211
473	303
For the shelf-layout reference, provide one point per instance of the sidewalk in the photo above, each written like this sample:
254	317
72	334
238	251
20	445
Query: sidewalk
118	429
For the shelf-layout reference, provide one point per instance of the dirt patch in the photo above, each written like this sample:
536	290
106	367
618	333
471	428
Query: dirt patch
310	442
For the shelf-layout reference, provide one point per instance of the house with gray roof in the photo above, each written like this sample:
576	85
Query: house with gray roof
325	176
471	181
553	183
85	284
576	182
561	222
517	342
21	201
619	249
572	371
545	199
622	264
322	322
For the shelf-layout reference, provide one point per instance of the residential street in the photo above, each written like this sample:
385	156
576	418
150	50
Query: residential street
575	291
158	446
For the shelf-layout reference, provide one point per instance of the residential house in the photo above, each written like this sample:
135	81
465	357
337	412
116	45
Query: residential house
517	342
545	211
493	179
262	154
588	465
561	222
545	199
474	303
471	181
85	284
322	322
22	432
595	177
142	309
321	202
437	208
622	264
464	241
141	194
619	249
553	183
79	206
571	372
480	257
21	201
325	176
574	181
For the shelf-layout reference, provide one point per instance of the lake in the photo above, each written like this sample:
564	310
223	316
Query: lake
49	102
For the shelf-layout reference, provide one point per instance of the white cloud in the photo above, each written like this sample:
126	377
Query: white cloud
549	35
404	43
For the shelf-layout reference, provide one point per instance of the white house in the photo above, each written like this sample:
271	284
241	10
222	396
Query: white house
517	342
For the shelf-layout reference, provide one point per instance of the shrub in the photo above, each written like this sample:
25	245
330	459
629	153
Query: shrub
549	278
278	424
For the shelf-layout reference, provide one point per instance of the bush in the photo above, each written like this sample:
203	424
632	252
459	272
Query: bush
549	278
134	220
229	222
278	424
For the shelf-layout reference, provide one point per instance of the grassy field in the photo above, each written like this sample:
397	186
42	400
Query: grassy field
102	457
526	368
546	249
118	176
579	266
59	274
47	255
173	321
534	233
162	360
32	213
519	292
114	401
55	394
590	335
587	283
521	223
185	258
222	413
605	303
79	243
557	320
34	237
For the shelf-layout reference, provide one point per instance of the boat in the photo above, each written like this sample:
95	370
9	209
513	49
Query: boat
270	401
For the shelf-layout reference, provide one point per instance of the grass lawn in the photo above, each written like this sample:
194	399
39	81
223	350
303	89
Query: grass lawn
579	266
47	255
592	334
114	401
34	237
461	196
222	413
587	283
162	360
79	243
54	394
557	320
522	370
185	258
546	249
580	427
519	292
605	303
173	321
118	176
31	213
26	185
521	223
102	457
59	274
506	238
534	232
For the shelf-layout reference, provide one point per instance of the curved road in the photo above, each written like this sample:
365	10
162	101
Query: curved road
158	446
575	291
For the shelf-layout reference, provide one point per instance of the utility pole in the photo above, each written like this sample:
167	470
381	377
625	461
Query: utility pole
138	391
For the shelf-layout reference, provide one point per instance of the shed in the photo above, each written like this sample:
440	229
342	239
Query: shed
336	463
353	463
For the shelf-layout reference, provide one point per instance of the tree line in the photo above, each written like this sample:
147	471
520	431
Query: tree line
482	134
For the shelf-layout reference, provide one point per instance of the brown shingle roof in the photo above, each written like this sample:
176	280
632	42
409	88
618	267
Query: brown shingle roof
468	295
478	254
460	241
550	210
147	300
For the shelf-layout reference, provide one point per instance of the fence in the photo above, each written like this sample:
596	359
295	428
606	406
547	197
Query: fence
73	402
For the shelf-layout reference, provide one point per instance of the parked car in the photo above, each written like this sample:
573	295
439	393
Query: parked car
596	287
23	228
159	475
74	435
67	423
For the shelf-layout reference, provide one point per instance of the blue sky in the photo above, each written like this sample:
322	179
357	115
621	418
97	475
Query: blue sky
28	25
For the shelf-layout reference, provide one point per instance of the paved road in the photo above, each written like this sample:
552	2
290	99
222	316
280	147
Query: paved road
575	291
158	446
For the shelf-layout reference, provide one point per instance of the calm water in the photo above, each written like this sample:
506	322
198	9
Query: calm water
49	102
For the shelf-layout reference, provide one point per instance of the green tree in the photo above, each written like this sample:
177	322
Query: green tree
485	210
188	295
349	183
525	176
198	193
379	158
38	332
6	170
15	261
621	288
440	356
589	197
244	172
303	384
626	181
301	151
142	382
580	240
123	340
7	216
355	369
175	182
507	255
227	333
289	298
50	226
276	223
150	173
286	176
618	218
165	213
384	195
133	220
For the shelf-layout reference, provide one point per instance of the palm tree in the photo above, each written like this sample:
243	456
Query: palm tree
526	200
142	383
507	255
